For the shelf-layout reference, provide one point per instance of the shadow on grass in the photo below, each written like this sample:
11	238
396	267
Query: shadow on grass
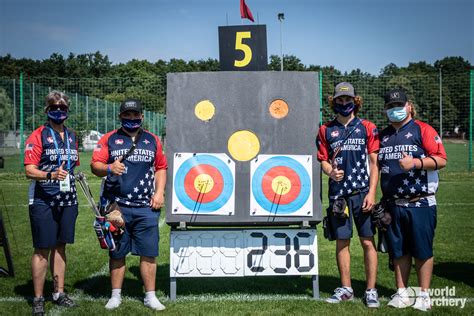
265	285
26	290
456	271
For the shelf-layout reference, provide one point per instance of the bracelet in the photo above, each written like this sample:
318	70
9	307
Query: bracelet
109	170
421	160
436	163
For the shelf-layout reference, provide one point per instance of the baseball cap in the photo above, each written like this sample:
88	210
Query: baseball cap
395	96
344	88
131	105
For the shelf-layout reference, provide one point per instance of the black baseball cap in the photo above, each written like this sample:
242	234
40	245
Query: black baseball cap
131	105
395	96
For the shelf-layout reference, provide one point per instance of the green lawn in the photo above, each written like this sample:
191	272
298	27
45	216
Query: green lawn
87	276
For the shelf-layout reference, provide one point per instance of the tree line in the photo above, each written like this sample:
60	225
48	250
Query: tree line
147	80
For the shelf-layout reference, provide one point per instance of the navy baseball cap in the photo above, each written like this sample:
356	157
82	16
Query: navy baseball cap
395	96
131	105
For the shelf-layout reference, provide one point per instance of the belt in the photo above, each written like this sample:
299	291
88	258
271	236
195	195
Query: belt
412	200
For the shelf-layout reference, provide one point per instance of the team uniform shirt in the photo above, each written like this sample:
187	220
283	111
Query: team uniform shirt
419	140
41	151
136	185
356	141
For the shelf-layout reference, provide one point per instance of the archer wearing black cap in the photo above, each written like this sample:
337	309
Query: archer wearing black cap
134	165
411	152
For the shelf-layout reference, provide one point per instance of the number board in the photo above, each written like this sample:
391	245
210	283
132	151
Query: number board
238	253
243	47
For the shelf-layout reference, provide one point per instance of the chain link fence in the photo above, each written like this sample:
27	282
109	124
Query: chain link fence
441	99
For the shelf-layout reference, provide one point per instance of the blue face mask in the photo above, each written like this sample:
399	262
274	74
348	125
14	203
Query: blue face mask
57	116
397	114
131	125
344	109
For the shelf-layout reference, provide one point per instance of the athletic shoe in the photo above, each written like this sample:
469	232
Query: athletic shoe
422	303
154	303
113	302
341	294
64	301
371	298
400	299
38	306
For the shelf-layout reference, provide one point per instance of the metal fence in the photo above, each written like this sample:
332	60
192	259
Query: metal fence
442	100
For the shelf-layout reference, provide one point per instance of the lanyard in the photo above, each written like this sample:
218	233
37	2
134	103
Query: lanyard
66	137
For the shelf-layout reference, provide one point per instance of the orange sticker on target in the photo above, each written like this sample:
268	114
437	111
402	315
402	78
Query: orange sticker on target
278	108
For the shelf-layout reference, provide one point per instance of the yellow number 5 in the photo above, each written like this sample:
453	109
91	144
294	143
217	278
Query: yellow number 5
243	47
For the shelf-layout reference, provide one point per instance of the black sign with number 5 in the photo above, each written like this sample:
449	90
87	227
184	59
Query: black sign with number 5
243	47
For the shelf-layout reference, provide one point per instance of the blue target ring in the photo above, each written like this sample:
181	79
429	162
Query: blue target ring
288	162
218	202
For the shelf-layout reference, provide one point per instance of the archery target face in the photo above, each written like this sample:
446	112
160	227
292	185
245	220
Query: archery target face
203	184
281	185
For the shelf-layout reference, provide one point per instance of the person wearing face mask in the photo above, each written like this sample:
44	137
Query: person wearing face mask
411	153
134	165
51	154
347	150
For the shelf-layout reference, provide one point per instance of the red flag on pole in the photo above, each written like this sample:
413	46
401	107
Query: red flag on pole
245	11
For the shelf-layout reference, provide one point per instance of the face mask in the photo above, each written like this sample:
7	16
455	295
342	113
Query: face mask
397	114
57	116
344	109
131	125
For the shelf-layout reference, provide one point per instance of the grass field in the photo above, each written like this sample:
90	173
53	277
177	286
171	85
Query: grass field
87	276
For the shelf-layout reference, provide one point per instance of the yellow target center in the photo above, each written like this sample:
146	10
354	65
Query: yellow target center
281	185
203	183
204	110
243	145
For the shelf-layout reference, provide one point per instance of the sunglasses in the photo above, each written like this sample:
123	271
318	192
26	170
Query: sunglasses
60	107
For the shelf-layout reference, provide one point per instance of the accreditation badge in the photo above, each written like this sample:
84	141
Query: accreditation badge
65	185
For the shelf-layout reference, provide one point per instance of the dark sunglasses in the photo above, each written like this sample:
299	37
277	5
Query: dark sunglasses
60	107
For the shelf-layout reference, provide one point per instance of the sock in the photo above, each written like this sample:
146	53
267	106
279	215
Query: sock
56	295
150	294
116	293
424	293
402	291
348	288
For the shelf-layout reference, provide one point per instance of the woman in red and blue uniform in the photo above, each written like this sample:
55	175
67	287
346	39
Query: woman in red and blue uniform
51	154
411	153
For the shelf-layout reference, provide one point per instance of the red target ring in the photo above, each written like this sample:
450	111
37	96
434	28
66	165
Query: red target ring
191	190
286	172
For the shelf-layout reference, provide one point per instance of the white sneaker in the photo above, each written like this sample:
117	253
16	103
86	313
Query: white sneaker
400	300
113	302
154	303
341	294
422	303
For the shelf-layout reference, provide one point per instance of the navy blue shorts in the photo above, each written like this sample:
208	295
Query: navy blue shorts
51	225
412	231
342	228
141	233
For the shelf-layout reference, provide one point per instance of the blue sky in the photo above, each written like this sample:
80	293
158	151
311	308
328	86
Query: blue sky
365	34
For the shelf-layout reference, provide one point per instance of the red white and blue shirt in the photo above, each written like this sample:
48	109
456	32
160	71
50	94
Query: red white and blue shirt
136	185
41	151
356	141
419	140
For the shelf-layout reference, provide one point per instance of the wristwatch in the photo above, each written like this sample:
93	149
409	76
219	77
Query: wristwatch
48	176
